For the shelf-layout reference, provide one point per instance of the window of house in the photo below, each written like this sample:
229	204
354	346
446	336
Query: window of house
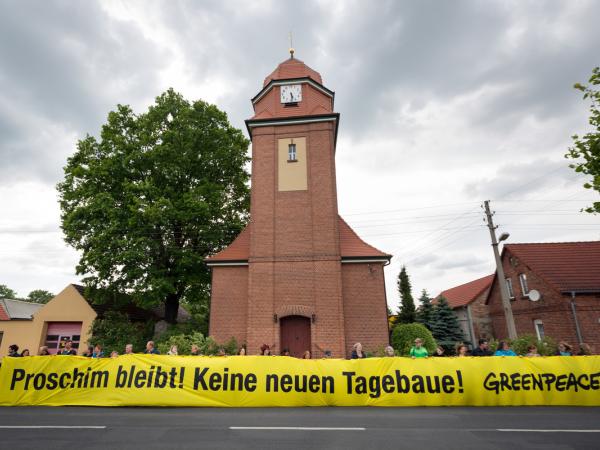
509	286
292	152
539	328
524	285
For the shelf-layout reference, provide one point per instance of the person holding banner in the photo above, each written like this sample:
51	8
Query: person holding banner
150	350
504	350
483	349
418	351
564	349
357	352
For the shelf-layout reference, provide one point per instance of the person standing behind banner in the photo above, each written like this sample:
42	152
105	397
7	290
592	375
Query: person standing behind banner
98	353
43	351
532	351
564	349
150	350
483	349
13	350
504	350
129	349
462	350
357	352
389	351
173	351
25	352
68	350
418	351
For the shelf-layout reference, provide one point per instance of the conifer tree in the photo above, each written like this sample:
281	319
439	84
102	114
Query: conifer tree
406	314
445	327
425	310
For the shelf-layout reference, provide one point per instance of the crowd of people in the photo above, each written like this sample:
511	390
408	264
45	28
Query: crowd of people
503	349
418	350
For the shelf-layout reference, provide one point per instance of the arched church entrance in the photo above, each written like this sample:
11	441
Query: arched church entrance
295	334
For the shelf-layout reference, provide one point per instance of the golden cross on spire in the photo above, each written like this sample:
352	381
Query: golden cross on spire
291	47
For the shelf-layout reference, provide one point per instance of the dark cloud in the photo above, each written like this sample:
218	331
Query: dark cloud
64	66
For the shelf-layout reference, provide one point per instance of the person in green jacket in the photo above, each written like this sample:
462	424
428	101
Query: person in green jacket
418	351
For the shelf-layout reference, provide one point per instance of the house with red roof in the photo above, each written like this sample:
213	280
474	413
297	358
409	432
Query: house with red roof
469	303
298	277
554	290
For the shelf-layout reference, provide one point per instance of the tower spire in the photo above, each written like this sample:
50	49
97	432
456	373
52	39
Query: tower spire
291	47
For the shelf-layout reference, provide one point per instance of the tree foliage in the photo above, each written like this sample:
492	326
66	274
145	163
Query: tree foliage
6	292
114	330
445	327
152	197
425	310
406	314
586	148
40	296
404	335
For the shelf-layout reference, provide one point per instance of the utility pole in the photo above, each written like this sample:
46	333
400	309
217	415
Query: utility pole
510	321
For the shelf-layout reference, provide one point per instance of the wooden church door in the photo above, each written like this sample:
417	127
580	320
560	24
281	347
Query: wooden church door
295	334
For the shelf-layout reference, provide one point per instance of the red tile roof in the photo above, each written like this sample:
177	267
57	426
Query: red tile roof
351	246
3	314
238	250
293	68
466	293
566	266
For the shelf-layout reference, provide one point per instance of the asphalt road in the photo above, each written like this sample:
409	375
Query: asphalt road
303	428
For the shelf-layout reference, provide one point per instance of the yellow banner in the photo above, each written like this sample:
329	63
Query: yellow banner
250	381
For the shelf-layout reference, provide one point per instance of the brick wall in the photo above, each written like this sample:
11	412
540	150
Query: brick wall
365	310
229	296
553	309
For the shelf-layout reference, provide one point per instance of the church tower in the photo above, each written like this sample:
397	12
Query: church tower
297	277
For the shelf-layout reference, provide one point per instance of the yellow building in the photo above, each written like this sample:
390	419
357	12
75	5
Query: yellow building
68	316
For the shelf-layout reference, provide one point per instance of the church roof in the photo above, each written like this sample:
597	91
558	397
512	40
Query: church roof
351	246
238	250
293	68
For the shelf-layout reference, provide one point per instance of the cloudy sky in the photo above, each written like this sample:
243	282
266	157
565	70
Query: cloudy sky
443	105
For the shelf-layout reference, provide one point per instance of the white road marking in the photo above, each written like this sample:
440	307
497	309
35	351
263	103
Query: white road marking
302	428
517	430
92	427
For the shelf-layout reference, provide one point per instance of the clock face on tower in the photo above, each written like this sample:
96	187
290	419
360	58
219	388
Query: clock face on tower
291	93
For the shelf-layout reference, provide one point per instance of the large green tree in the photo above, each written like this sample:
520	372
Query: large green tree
6	292
152	197
406	314
445	327
586	148
40	296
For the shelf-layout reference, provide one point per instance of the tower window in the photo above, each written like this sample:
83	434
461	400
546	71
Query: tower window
292	152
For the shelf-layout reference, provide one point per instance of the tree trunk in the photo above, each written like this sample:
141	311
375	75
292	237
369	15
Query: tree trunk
171	308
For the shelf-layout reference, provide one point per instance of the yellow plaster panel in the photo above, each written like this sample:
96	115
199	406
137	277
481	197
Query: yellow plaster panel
292	175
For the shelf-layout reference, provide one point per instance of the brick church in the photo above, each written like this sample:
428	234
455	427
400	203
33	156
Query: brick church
298	277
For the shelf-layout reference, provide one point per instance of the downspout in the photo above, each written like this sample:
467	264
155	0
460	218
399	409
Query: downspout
471	329
574	311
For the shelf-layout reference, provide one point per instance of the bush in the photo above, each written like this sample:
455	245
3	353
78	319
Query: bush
184	342
545	347
114	331
404	335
